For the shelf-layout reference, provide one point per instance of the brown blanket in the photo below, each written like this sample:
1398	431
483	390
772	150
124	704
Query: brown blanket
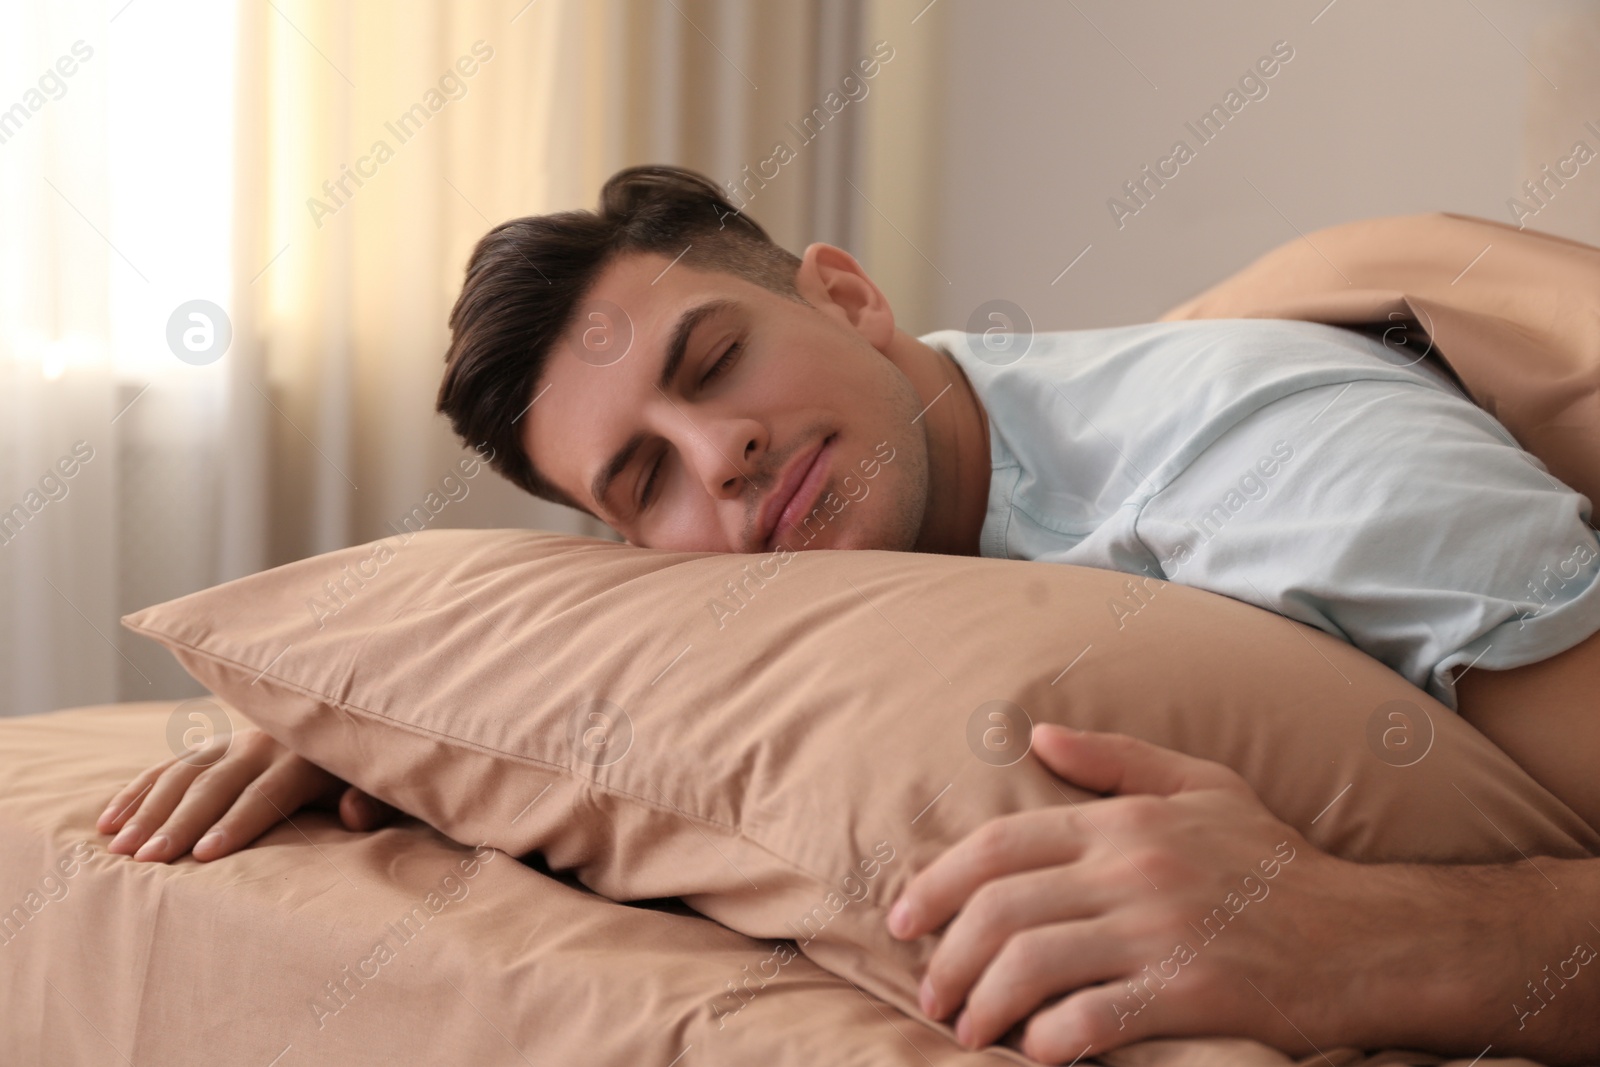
315	946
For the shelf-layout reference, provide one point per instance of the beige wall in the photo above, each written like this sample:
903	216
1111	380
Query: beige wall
1385	108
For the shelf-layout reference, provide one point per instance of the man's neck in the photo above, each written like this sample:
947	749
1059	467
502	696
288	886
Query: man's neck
957	429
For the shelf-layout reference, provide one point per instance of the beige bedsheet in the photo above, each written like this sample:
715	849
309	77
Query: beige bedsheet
258	959
269	957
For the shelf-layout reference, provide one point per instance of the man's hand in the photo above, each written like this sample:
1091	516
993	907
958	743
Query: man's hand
1183	907
216	800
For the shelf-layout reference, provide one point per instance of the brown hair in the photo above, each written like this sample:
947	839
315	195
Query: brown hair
526	278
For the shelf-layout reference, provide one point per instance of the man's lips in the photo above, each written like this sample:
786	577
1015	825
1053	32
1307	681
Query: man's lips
796	490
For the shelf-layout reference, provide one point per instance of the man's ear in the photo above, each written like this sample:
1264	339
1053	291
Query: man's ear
832	281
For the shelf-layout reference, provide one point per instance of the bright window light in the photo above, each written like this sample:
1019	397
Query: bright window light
170	133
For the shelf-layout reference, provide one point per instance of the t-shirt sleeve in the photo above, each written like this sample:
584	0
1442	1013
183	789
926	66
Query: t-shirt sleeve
1400	517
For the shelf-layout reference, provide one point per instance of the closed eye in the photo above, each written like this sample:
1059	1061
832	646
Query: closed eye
644	498
724	363
729	356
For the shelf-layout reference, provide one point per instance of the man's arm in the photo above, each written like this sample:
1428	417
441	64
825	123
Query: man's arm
1546	716
1182	907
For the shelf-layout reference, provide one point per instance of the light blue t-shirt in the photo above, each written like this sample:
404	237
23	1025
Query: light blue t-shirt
1307	469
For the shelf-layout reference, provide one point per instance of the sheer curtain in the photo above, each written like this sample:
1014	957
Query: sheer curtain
115	474
316	174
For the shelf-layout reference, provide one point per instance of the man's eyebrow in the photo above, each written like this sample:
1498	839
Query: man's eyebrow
677	348
679	345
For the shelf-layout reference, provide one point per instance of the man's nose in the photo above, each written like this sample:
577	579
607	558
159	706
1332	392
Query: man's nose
730	460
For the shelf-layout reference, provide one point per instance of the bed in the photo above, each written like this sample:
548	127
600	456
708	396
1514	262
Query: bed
316	945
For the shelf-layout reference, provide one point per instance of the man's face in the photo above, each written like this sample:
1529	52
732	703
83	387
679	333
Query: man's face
725	453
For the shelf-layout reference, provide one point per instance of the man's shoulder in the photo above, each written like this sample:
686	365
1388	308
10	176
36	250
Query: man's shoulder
1197	347
982	335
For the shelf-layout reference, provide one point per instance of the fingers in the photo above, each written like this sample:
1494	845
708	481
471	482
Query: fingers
997	912
1045	837
362	811
128	799
189	797
1117	763
1102	762
154	806
1034	966
1093	1020
249	807
216	800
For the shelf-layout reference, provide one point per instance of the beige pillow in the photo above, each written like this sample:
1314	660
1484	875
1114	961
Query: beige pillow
783	740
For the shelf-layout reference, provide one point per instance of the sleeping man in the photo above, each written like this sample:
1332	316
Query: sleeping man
665	367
